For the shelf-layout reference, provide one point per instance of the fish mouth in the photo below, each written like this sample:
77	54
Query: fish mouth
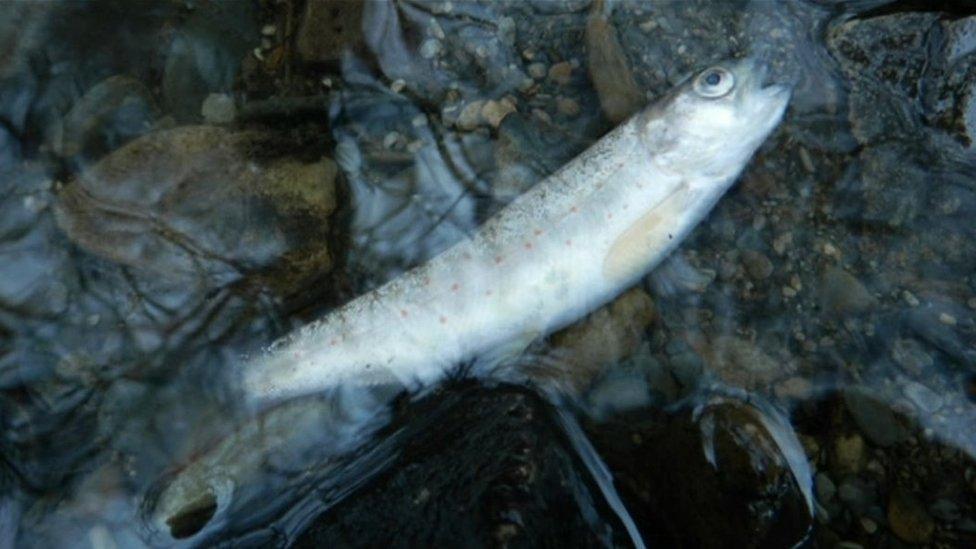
766	99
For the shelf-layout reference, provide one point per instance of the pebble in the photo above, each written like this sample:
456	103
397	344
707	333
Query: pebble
947	319
910	298
826	489
874	418
561	73
430	48
788	292
269	30
843	294
397	85
567	106
782	243
470	115
806	161
908	354
831	250
945	510
922	397
869	525
537	70
390	140
495	111
849	453
971	302
757	264
908	518
795	387
218	108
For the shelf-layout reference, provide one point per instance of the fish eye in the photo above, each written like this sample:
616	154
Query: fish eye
714	82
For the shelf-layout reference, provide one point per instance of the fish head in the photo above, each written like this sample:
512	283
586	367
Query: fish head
712	123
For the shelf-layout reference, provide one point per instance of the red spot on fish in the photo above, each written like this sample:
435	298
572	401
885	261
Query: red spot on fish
466	255
443	320
569	242
574	209
538	232
403	313
609	216
528	245
426	281
498	260
333	343
455	287
488	292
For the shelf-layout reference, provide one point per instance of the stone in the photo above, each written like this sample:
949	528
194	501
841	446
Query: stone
218	108
192	203
609	68
849	453
496	453
756	264
567	106
910	355
908	518
742	363
604	337
327	28
826	490
494	112
841	294
537	70
561	73
719	477
470	116
874	418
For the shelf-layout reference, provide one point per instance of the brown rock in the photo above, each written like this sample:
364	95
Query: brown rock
606	336
193	202
849	453
908	518
561	73
609	68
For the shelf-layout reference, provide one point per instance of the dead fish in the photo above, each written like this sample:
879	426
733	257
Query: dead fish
570	244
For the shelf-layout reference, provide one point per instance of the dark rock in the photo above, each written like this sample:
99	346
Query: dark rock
480	467
908	518
876	419
718	481
841	294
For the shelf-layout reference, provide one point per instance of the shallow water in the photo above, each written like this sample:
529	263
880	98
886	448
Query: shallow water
152	237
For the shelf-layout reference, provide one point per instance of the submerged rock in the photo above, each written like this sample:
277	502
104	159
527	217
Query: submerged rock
716	478
478	467
190	203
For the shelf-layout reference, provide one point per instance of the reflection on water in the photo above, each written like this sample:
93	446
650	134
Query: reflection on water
216	174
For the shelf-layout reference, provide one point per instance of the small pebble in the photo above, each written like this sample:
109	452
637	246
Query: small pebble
390	140
495	111
398	85
806	160
869	525
269	30
782	243
430	48
470	115
788	292
910	298
567	106
561	73
947	319
542	115
971	303
537	70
